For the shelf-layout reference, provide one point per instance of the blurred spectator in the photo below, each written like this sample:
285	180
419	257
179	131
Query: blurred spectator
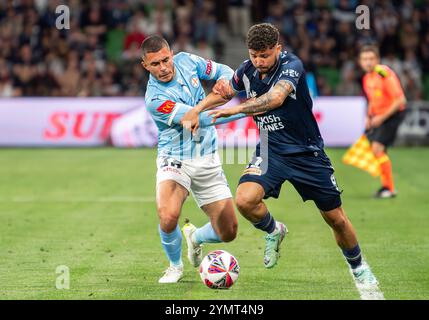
349	85
25	70
239	17
100	53
206	27
70	79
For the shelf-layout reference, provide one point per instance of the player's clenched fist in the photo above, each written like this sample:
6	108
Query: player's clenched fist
190	120
223	88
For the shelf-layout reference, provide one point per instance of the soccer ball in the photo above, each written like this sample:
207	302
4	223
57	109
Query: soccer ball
219	270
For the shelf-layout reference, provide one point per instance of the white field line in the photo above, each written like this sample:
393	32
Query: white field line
72	199
366	292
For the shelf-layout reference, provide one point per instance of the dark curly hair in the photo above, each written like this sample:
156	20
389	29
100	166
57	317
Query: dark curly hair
262	36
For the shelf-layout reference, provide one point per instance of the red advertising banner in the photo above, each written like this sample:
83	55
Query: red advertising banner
93	121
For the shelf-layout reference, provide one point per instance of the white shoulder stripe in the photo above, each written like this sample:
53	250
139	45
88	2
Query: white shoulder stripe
214	69
173	114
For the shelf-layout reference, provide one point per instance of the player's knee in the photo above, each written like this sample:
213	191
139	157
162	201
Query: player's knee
168	219
339	223
230	233
245	203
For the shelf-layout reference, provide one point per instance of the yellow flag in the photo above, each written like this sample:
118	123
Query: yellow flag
360	155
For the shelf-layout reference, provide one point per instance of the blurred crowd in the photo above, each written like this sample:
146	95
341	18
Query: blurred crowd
100	54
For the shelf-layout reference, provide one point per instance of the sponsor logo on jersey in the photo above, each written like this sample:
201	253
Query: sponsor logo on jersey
209	67
269	123
290	73
252	94
166	107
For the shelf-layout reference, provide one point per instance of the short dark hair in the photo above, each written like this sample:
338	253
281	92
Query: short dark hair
153	44
370	48
262	36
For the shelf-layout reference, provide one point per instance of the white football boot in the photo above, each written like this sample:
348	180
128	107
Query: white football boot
172	275
195	252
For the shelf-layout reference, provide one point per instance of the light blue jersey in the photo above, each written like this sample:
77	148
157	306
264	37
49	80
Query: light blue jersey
168	102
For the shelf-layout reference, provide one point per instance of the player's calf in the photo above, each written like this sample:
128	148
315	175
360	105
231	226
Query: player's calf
249	203
345	236
195	237
228	234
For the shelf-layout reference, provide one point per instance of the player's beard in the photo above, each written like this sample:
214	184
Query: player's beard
268	70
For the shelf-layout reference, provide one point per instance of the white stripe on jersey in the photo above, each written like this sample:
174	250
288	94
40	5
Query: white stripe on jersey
173	114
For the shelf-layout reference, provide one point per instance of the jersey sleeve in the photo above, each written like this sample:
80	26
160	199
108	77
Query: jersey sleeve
210	70
170	113
291	72
162	109
393	85
237	79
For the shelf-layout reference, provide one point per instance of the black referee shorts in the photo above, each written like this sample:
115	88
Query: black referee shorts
386	132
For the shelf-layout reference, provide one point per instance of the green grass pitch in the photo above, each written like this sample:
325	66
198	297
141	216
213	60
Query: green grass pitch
93	211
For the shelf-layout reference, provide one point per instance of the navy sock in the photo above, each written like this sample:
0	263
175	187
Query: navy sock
353	256
267	223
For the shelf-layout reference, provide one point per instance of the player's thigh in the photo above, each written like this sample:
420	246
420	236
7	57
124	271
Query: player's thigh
170	197
313	178
262	178
209	183
222	217
172	188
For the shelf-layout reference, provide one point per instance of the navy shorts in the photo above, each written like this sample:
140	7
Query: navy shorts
386	133
311	174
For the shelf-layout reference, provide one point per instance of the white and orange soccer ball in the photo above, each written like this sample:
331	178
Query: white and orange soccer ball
219	270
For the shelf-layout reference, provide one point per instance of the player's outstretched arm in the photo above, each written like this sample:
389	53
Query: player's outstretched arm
268	101
205	119
190	120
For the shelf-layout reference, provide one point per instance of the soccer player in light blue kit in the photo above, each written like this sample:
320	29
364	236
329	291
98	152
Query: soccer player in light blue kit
186	162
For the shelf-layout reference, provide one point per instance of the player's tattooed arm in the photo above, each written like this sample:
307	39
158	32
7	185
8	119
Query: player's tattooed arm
268	101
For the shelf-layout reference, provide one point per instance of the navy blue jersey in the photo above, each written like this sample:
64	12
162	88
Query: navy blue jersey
292	127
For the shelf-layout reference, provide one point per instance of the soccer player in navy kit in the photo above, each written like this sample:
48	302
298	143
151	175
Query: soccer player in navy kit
277	93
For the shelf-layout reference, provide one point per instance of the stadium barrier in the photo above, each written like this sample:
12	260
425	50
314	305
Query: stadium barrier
414	130
124	122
